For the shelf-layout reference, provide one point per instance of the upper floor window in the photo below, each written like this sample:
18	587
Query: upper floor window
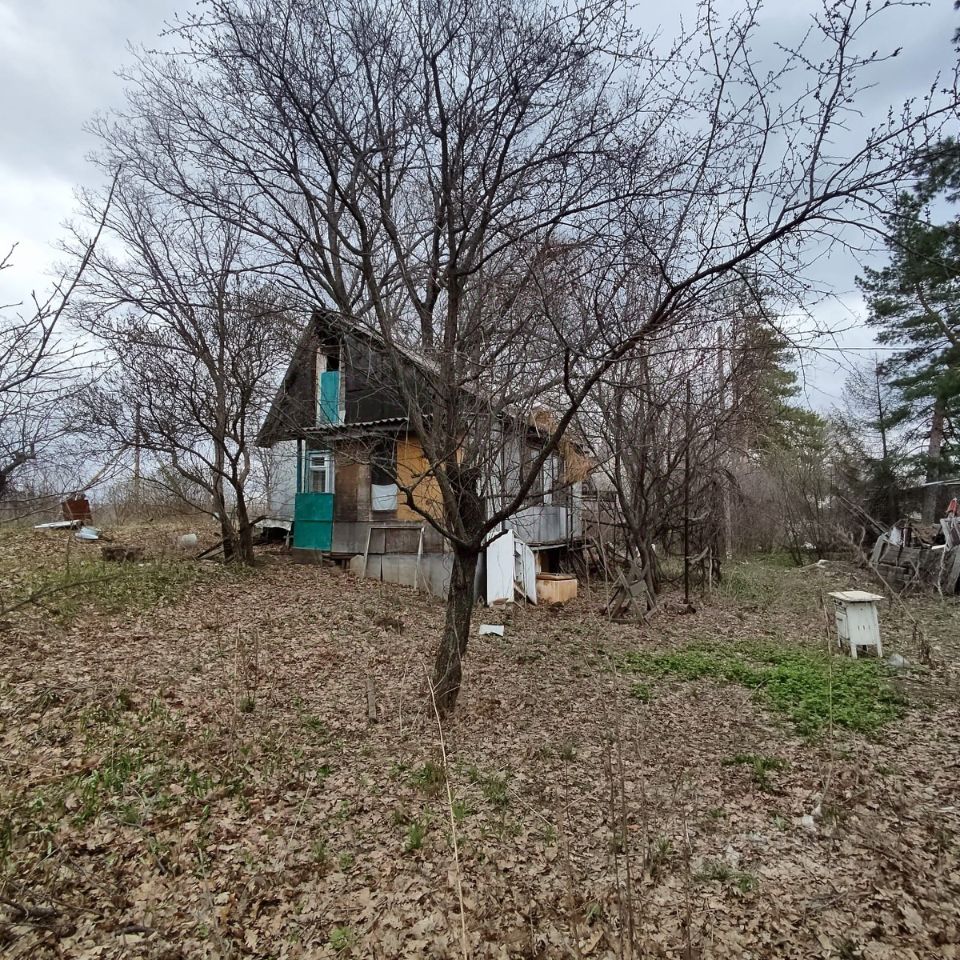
331	405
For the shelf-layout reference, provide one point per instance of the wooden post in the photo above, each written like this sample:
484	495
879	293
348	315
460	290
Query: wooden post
416	575
366	551
137	483
725	485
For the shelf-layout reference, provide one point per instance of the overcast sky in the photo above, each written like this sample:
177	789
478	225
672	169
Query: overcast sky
58	64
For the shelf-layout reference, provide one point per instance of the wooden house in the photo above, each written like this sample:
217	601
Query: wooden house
350	455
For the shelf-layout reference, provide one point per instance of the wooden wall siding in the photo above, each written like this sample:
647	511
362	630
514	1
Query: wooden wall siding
366	387
399	540
348	482
352	484
412	466
295	406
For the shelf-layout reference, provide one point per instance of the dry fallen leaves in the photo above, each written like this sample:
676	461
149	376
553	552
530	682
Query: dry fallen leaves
201	780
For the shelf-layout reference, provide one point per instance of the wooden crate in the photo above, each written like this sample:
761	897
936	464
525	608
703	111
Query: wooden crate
555	587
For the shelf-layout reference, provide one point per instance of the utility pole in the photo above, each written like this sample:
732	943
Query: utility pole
724	480
137	491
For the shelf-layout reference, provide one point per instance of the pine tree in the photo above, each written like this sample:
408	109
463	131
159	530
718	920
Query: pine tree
781	420
914	304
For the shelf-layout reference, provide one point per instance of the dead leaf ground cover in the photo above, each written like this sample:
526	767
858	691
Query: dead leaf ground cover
196	776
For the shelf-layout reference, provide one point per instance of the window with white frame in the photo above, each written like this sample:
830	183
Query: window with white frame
319	477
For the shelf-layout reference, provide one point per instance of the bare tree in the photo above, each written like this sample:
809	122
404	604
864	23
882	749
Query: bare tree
40	368
668	426
519	195
197	345
874	437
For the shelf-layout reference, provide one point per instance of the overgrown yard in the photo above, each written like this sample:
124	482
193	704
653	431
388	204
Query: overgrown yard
189	770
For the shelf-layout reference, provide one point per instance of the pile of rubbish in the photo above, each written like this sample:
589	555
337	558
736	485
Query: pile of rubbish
83	531
76	516
912	554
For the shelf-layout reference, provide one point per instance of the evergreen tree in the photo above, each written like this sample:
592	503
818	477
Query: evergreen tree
914	304
782	421
872	446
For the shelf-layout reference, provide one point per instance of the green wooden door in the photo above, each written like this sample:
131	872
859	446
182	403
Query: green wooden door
313	521
329	406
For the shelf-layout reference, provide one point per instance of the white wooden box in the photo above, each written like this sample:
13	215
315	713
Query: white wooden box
857	621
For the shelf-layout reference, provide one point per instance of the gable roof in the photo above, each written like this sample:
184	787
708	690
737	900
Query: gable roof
292	413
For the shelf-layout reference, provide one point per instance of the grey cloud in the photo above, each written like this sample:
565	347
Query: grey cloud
59	59
58	63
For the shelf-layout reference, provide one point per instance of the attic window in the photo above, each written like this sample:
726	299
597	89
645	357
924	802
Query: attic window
330	351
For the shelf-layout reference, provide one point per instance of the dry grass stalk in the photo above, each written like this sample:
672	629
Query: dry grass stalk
464	943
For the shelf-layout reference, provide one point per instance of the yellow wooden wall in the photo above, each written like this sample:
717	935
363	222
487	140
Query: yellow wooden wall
412	470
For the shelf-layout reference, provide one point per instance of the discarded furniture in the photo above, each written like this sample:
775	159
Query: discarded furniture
901	567
556	587
76	508
950	527
949	575
631	596
511	570
500	565
857	623
524	571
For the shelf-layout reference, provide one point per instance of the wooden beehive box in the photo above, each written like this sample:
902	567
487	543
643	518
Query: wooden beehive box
555	587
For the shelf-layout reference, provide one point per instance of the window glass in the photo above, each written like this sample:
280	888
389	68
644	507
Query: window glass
320	472
383	462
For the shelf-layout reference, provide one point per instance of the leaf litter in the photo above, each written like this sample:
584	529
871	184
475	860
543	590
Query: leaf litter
200	778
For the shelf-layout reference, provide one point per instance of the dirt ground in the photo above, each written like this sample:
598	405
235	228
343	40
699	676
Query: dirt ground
188	769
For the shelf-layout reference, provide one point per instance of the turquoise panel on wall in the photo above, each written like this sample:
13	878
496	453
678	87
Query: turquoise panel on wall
329	407
313	521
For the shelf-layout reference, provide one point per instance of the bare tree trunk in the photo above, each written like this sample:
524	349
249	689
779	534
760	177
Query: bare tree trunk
447	671
244	532
467	506
227	532
934	449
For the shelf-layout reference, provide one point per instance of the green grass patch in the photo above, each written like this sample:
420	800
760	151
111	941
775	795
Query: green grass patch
342	939
809	686
492	785
430	778
714	870
416	833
